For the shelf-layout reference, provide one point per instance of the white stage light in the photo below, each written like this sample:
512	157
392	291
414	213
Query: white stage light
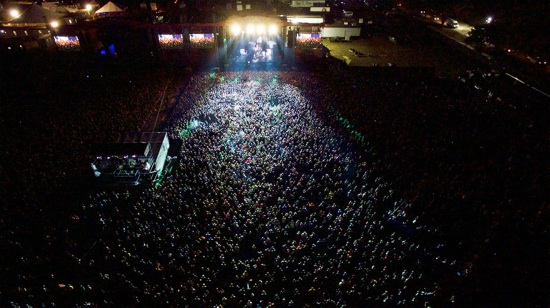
235	29
260	29
272	29
250	28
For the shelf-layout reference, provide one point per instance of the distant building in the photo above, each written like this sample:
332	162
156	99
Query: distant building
307	3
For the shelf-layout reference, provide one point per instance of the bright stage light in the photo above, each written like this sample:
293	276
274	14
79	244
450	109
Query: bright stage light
54	24
235	29
260	29
250	28
272	29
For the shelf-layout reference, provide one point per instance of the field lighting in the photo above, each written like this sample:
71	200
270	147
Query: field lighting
14	13
235	29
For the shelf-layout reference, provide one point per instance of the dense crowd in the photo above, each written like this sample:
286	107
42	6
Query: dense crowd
470	161
298	189
55	121
270	205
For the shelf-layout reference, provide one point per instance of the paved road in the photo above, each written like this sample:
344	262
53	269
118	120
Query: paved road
460	33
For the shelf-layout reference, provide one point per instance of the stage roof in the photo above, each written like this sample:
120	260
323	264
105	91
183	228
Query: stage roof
119	149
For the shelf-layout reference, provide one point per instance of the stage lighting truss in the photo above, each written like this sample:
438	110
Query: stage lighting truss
259	29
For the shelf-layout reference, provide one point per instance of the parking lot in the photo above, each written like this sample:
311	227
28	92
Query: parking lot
380	50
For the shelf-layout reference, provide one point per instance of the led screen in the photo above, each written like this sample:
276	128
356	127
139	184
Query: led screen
202	40
67	43
308	40
171	41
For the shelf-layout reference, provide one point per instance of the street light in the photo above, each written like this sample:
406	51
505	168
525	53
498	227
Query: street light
88	9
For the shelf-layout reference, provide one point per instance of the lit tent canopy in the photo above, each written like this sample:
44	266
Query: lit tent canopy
35	15
109	9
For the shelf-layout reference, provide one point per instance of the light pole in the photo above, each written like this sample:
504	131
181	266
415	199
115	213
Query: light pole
14	13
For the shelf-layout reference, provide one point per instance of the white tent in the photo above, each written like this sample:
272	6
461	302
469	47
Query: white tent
109	8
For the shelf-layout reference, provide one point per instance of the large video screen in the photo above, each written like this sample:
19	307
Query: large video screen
67	43
308	40
202	40
171	41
